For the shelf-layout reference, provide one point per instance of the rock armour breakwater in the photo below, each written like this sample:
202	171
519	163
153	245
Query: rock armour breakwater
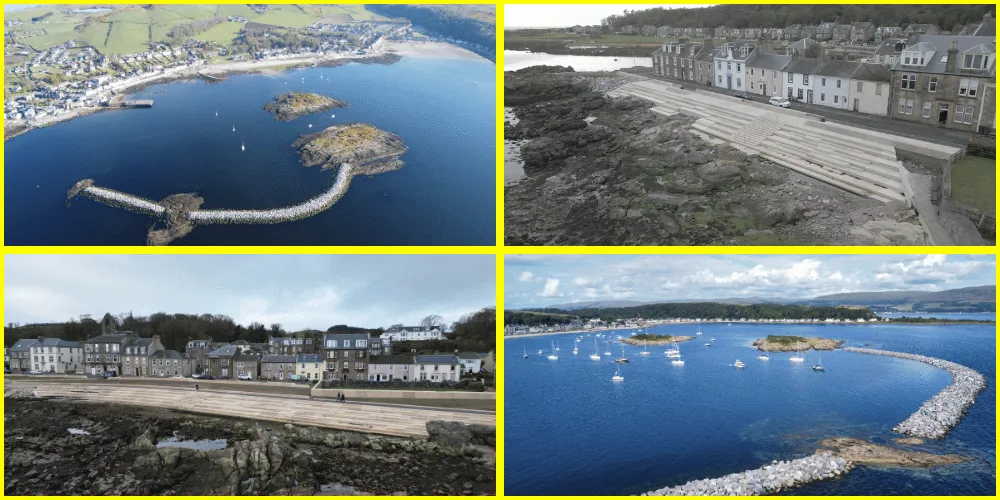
771	478
945	409
276	215
124	200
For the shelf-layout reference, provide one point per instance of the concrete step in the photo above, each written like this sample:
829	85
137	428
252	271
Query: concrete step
870	147
825	169
809	150
863	157
844	182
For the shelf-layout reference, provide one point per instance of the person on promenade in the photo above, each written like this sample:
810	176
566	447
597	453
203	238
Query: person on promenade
195	387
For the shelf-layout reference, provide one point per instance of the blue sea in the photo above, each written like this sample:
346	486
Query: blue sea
444	109
570	430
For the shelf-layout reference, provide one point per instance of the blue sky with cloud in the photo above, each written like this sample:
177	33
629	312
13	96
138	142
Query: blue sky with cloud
540	280
298	291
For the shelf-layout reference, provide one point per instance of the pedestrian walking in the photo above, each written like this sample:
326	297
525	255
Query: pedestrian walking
338	396
195	387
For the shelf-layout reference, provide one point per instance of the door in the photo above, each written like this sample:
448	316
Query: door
763	89
93	370
943	114
855	104
729	81
809	96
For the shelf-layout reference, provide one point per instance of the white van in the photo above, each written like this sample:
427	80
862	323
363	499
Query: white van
780	101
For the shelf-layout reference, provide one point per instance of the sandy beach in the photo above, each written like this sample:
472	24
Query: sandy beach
433	50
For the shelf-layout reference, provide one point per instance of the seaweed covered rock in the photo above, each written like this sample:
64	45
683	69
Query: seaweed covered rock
289	106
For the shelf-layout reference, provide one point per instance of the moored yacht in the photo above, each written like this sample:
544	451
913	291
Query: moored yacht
739	364
618	376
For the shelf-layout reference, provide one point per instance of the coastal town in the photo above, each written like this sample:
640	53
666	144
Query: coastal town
333	358
49	82
597	325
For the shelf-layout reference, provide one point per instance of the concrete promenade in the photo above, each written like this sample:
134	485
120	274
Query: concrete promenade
298	410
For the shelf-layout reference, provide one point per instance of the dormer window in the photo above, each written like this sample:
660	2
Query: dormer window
976	61
745	51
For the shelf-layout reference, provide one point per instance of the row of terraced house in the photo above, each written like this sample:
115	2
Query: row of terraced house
948	81
356	357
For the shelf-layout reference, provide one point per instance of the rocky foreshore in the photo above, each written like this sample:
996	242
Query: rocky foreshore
779	343
65	448
773	478
945	409
652	339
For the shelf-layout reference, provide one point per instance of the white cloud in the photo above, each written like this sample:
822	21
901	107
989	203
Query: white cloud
551	288
582	281
526	276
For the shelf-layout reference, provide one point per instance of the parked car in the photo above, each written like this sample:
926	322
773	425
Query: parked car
244	376
780	102
207	377
34	372
743	95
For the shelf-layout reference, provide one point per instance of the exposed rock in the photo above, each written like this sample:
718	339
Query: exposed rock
863	452
448	433
291	105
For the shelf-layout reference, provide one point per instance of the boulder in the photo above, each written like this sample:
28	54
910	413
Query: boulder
455	434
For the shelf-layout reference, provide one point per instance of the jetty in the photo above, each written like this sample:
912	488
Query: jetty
944	410
772	478
209	77
137	103
276	215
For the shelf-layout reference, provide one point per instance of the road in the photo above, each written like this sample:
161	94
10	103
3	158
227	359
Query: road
930	133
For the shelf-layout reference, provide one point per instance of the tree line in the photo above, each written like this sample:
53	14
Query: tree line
686	310
462	22
474	331
945	17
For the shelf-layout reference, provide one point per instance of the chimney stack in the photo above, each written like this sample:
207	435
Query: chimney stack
949	65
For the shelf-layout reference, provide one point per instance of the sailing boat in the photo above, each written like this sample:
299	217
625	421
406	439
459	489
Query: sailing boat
243	146
525	349
622	359
819	367
699	328
608	352
644	351
216	113
676	361
618	376
595	356
675	352
553	356
739	364
797	358
333	116
234	128
310	125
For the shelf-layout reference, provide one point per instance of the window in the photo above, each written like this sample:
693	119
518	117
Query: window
729	66
823	82
963	114
720	64
347	343
347	364
878	89
835	99
774	74
909	82
926	113
751	71
901	109
838	84
720	79
805	79
861	86
738	83
737	66
976	61
822	98
932	86
331	344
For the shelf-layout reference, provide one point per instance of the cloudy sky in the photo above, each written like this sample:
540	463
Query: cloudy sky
539	280
298	291
558	16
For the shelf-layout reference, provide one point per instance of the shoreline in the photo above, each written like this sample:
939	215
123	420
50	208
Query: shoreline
380	52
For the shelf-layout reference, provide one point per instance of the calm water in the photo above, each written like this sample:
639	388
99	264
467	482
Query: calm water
571	431
445	194
515	60
979	316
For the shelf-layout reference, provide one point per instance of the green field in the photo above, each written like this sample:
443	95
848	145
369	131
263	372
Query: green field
286	18
94	35
234	10
128	38
223	34
973	183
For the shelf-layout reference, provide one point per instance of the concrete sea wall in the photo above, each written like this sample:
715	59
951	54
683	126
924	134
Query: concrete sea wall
124	200
944	410
773	478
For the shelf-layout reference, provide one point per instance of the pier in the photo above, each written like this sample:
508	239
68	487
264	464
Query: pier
773	478
944	410
124	200
209	77
140	103
276	215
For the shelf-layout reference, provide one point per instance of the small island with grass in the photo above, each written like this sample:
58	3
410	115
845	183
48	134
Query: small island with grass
791	343
654	339
292	105
367	149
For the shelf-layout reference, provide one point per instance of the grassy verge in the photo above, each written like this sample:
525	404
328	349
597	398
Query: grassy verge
973	183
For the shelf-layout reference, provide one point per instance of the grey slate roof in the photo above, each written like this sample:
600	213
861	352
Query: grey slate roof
888	47
436	359
309	358
343	336
166	355
246	356
139	342
54	342
806	66
872	73
838	69
940	44
277	358
472	355
224	352
241	342
110	338
397	359
770	61
23	345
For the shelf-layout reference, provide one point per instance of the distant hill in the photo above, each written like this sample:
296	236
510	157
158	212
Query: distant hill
970	299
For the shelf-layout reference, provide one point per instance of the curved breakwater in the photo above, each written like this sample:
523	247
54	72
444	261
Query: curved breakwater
124	200
771	478
944	410
223	216
276	215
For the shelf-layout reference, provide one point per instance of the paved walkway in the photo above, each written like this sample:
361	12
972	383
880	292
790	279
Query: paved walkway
930	133
376	419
